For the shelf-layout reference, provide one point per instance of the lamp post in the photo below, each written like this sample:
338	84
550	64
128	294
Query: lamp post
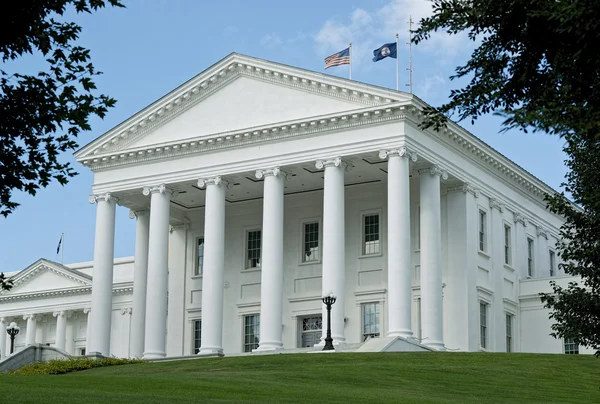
12	330
329	299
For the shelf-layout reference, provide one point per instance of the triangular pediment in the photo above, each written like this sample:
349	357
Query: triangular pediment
44	275
238	92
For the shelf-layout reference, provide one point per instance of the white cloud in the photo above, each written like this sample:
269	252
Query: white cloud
424	89
271	40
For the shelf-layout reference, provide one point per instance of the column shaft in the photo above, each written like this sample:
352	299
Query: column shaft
334	248
431	259
399	250
158	273
104	247
3	324
271	293
214	263
140	279
61	330
31	329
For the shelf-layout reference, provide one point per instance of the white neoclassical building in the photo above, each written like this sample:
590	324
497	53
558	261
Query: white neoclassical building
257	187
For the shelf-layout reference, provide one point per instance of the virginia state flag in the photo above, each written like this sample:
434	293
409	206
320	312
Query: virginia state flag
386	50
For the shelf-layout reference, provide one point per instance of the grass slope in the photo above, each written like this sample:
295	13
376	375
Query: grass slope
326	378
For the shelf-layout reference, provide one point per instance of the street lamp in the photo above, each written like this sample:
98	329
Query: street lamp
12	330
329	299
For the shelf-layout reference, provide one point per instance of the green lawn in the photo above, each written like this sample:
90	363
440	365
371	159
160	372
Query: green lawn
325	378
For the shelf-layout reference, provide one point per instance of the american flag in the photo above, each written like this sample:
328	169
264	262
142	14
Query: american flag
338	59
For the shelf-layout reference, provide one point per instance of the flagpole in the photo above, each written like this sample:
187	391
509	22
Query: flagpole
410	64
62	247
350	52
397	62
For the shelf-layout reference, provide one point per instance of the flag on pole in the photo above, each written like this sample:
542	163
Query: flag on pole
59	243
386	50
338	59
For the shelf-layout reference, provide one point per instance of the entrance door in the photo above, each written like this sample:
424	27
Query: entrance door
311	331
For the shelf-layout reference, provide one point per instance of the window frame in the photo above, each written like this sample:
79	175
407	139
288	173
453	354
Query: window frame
302	256
247	266
373	333
552	262
530	256
197	271
250	346
482	230
195	338
362	247
509	328
483	325
507	244
570	347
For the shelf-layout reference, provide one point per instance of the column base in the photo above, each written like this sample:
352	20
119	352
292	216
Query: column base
153	355
269	347
401	333
210	351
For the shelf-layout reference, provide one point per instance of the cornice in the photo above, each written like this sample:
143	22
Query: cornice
213	79
120	289
21	279
260	134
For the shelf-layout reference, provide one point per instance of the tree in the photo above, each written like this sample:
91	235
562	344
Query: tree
41	115
536	64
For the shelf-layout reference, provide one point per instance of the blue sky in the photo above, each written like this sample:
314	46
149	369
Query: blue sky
151	47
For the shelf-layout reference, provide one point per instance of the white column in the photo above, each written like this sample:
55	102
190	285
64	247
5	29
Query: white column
542	259
214	266
104	248
520	247
88	332
61	329
334	244
158	272
140	277
128	312
3	324
69	337
398	242
496	315
271	289
431	257
31	329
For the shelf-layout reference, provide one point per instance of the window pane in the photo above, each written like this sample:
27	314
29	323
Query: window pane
253	249
509	333
311	242
529	257
571	347
507	245
370	320
481	231
552	267
371	234
251	332
200	258
197	335
483	324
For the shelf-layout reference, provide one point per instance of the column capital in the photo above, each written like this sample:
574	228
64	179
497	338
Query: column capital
496	204
62	313
216	180
134	214
466	188
275	171
87	310
126	310
105	197
542	232
333	162
161	189
3	320
401	152
173	227
519	218
434	170
30	316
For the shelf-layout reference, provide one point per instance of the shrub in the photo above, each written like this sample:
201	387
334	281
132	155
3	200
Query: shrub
57	367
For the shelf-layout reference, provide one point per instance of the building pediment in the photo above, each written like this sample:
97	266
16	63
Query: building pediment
236	93
46	275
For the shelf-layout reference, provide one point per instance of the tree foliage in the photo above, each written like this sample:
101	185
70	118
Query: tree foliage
42	114
537	64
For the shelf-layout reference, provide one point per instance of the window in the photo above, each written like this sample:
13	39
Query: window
197	335
571	347
311	242
482	216
370	320
507	252
509	324
251	332
253	249
81	351
371	243
200	257
529	256
483	324
552	263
